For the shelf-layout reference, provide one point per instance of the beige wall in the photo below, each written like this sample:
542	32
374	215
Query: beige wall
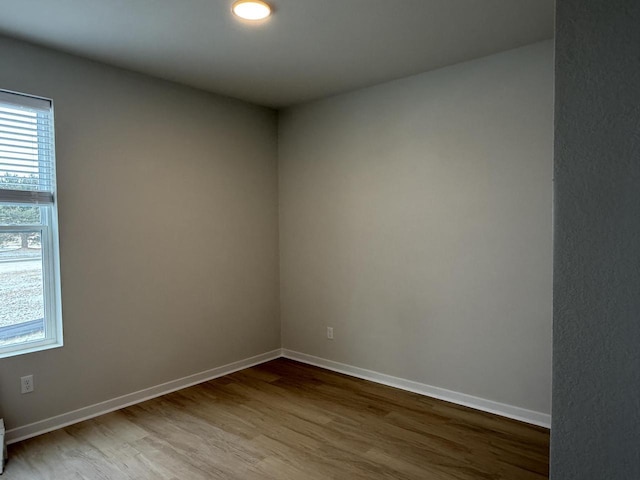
168	232
415	218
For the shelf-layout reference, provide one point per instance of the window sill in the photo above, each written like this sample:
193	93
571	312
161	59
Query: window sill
23	350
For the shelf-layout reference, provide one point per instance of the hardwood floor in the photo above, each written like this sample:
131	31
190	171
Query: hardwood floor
285	420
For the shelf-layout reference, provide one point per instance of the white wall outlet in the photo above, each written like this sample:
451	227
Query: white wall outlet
26	384
330	333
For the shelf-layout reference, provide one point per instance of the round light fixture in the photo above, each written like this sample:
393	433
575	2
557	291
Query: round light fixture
251	9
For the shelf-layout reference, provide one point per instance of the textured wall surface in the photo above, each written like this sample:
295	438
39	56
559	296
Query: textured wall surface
596	367
415	218
168	232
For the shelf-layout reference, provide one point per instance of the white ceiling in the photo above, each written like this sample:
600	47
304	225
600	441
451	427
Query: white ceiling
308	49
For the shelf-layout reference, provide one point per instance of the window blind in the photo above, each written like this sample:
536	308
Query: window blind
27	164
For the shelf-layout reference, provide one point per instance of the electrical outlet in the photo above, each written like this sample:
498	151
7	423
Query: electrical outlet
26	384
330	333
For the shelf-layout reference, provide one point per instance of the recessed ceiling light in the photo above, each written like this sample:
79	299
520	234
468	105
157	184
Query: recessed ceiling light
251	9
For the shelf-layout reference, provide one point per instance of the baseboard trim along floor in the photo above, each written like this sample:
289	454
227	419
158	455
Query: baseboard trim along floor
59	421
85	413
504	410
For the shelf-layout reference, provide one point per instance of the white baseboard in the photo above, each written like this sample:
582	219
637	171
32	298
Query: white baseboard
502	409
85	413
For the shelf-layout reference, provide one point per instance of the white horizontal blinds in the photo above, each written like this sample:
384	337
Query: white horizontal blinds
27	168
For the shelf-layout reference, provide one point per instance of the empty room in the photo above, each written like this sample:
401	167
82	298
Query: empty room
301	239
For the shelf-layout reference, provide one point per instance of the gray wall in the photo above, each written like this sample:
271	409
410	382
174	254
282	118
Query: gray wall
415	218
596	368
168	232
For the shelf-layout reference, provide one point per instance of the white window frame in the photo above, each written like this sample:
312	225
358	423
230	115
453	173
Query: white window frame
50	251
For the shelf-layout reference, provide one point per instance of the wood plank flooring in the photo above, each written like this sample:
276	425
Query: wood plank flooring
285	420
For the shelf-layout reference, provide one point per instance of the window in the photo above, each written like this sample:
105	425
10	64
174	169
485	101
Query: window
30	306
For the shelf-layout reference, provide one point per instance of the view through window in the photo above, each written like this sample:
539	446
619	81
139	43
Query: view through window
30	311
